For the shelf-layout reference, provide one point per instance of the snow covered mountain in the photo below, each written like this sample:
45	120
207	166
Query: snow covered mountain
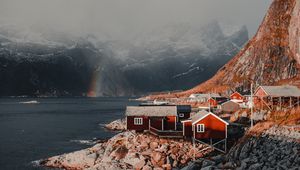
50	68
180	56
177	56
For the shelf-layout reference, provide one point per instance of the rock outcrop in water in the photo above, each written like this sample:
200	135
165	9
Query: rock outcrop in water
130	150
119	124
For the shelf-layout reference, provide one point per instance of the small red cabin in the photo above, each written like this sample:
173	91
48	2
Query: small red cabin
212	102
142	118
237	97
205	125
261	92
278	95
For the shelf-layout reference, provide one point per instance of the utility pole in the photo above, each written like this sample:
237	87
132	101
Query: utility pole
251	106
194	147
209	102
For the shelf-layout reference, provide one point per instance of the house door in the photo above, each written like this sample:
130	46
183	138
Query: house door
165	123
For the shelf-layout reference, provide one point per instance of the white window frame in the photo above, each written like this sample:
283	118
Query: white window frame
200	128
181	115
138	121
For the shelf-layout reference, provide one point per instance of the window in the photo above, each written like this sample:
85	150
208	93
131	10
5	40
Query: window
138	121
181	115
200	128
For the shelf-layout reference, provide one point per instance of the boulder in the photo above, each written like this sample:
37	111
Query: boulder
158	159
146	167
167	166
119	153
148	152
153	145
79	159
119	124
135	160
206	163
156	156
255	166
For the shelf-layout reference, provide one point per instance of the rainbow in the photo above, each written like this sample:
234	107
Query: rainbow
93	87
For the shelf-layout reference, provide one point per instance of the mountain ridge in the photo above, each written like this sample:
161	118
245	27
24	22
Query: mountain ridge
271	57
57	64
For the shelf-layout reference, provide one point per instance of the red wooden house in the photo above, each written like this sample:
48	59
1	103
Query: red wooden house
158	118
277	91
205	125
277	96
237	97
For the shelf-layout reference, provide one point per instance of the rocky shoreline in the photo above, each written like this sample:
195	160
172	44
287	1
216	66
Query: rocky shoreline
129	150
272	147
276	148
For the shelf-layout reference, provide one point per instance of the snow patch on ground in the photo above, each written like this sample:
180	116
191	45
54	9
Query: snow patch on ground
30	102
187	72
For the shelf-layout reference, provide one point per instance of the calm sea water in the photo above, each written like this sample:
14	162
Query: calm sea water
36	128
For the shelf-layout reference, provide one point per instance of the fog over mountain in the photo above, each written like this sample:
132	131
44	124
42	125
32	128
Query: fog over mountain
117	47
121	19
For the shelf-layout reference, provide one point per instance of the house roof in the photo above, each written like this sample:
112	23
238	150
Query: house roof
184	108
229	101
202	114
157	111
281	91
199	115
236	93
220	100
180	108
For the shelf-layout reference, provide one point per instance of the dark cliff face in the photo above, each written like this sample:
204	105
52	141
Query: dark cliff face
37	70
270	57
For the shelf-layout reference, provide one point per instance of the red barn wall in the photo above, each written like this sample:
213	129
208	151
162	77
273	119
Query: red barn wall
214	128
156	123
213	103
170	123
260	92
236	96
132	126
188	129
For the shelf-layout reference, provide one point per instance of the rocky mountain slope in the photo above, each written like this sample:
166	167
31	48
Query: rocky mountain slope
270	57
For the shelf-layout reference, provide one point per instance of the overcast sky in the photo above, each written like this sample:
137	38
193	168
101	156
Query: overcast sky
127	16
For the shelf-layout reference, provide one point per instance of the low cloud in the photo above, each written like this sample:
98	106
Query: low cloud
123	18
